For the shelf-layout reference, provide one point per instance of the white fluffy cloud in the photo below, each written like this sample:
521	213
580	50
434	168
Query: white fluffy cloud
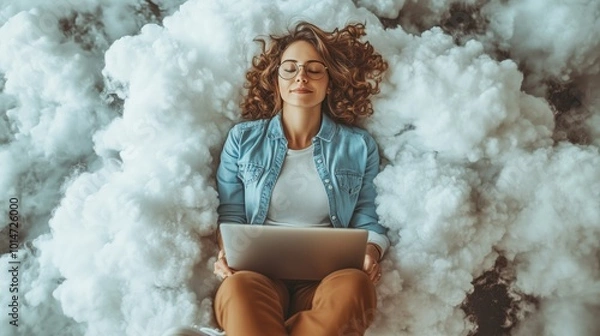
558	37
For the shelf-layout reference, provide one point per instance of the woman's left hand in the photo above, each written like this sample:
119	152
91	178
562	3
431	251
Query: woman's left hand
370	265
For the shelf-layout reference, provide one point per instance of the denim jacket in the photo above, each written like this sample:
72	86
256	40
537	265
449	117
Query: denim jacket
346	158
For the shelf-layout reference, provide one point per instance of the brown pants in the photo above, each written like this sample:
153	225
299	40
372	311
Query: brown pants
251	304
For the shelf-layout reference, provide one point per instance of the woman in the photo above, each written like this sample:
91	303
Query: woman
300	161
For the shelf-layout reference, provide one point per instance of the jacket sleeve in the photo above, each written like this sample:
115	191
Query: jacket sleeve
364	215
230	187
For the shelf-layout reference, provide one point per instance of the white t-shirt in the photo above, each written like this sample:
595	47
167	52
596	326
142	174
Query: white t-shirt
299	197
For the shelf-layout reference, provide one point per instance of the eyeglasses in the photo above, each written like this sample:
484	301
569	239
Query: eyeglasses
313	69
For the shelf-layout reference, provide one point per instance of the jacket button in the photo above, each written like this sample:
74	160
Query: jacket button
329	187
333	217
326	180
319	161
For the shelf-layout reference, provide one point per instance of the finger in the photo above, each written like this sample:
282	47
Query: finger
226	270
219	268
219	264
376	277
222	274
374	268
371	270
375	273
370	274
368	264
222	262
222	270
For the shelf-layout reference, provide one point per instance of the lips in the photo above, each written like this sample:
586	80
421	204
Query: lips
301	90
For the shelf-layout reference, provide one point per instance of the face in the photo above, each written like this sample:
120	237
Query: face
301	90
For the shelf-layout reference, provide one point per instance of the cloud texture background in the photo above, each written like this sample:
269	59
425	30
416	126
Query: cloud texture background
114	113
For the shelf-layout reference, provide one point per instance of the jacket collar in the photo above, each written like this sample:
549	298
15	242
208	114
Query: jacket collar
326	132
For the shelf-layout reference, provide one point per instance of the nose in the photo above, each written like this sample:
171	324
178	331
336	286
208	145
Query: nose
301	75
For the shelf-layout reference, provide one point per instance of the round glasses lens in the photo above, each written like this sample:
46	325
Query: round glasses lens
288	69
314	69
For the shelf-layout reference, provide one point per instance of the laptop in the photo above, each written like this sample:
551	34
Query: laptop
293	252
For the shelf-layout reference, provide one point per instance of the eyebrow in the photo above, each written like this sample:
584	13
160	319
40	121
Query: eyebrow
311	60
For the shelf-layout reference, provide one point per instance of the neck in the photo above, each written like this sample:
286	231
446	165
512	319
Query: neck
300	125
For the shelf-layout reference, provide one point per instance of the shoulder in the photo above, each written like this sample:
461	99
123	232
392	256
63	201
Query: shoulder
250	125
355	133
245	129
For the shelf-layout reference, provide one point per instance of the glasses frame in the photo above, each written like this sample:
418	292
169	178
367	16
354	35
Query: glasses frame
298	66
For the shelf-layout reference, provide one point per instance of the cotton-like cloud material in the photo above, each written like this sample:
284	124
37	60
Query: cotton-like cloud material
557	38
461	103
114	114
52	107
553	240
386	8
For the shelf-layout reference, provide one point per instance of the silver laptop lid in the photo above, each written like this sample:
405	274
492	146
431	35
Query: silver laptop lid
292	252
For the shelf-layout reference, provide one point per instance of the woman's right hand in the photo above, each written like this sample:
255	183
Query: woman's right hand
222	270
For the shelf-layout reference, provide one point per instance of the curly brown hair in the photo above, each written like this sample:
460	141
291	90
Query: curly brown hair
355	70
